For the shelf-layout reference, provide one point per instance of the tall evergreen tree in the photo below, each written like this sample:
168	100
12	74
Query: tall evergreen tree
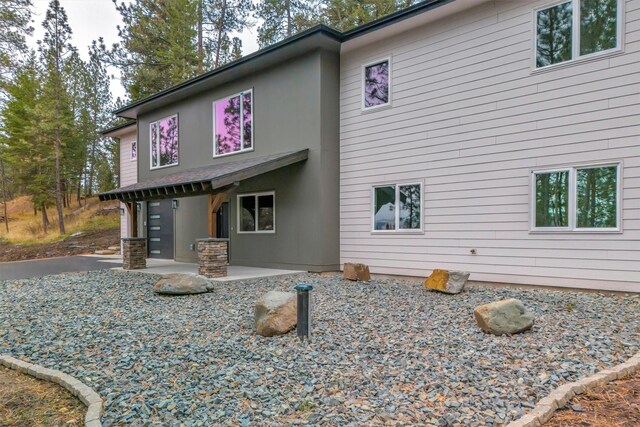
24	148
54	110
344	15
15	25
283	18
158	45
220	19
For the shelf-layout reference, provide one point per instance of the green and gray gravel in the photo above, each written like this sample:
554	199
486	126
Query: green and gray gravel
383	353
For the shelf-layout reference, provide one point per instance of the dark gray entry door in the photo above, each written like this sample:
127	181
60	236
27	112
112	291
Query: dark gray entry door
160	229
222	221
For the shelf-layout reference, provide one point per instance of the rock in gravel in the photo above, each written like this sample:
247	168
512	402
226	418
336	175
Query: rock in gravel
503	317
356	272
449	282
182	284
275	313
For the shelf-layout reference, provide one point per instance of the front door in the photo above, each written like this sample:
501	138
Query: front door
160	229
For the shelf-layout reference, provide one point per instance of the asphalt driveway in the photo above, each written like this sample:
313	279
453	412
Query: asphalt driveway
44	267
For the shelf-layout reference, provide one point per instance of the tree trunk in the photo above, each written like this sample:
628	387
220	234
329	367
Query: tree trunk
45	218
288	7
223	12
78	192
56	148
4	195
200	49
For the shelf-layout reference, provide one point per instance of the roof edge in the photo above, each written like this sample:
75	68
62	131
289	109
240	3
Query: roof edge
107	131
393	18
317	29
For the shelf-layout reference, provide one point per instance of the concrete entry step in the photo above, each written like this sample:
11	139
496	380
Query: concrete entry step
105	252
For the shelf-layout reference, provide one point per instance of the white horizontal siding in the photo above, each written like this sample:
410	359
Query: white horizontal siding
470	120
128	175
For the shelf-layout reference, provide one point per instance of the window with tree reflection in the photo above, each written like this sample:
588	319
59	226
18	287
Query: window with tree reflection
577	198
233	124
559	40
397	207
376	84
164	142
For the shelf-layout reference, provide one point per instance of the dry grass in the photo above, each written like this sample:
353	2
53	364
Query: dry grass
615	405
26	229
27	401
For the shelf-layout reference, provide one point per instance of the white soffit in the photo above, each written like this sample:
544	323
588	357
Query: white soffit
404	25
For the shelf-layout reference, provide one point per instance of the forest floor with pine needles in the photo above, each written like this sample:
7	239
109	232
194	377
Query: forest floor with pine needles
27	401
616	404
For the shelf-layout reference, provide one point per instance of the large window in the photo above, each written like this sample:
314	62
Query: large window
577	198
376	88
256	213
164	142
572	29
397	207
233	124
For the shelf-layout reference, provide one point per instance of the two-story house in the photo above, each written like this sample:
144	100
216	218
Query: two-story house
247	152
497	137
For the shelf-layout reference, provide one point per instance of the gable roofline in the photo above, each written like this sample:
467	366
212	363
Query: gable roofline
320	29
114	131
393	18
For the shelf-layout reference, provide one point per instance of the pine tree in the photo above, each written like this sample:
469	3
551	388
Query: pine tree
220	19
54	110
15	25
284	18
25	150
158	45
344	15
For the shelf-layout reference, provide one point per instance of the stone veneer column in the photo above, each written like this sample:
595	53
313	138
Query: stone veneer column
134	253
212	257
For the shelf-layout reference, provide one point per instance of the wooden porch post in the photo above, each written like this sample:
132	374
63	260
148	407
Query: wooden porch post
132	207
215	201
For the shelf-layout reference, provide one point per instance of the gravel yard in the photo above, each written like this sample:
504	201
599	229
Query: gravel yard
384	352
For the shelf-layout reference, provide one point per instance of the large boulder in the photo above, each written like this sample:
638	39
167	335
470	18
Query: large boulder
359	272
449	282
276	313
503	317
182	284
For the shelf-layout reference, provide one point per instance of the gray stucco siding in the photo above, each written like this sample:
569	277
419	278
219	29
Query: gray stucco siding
295	106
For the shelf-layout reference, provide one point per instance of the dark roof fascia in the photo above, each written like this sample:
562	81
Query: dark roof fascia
116	128
193	182
393	18
318	29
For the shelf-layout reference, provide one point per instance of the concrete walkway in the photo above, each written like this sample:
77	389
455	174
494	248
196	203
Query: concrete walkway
44	267
234	272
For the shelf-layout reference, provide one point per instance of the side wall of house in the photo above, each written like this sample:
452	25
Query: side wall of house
128	174
471	120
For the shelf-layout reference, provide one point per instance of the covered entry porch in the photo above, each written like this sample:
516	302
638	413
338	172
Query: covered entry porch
215	184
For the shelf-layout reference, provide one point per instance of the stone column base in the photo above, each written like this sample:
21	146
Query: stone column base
134	253
212	257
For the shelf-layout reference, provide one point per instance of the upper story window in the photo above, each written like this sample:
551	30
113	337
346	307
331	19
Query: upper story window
233	124
376	84
134	150
164	142
585	198
397	207
578	28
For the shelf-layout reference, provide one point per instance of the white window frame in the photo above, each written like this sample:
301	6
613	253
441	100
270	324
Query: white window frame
573	199
253	110
158	139
133	159
362	85
256	195
397	230
575	37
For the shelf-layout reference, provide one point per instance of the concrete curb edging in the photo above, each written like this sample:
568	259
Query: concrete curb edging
86	394
559	397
